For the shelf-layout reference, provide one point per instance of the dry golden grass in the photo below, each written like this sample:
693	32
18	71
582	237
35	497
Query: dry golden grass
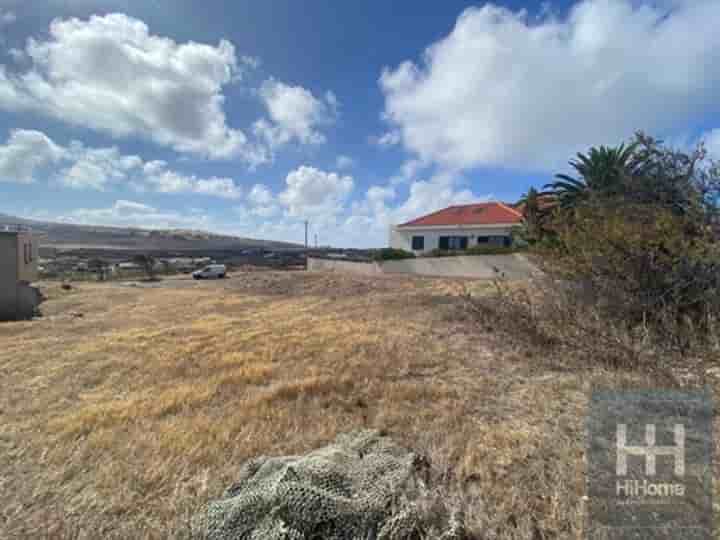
122	422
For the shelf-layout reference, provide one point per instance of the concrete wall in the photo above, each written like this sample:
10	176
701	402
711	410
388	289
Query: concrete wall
402	238
353	267
8	276
513	267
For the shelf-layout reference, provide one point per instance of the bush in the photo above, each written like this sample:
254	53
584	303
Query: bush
631	258
392	254
643	266
633	241
147	262
553	320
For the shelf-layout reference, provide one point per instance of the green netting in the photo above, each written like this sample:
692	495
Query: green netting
362	486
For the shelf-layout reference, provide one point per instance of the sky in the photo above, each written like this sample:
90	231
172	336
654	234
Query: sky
250	117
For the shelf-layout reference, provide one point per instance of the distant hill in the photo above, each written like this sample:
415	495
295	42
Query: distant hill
72	236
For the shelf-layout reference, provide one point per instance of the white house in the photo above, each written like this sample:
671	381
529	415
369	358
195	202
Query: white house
458	227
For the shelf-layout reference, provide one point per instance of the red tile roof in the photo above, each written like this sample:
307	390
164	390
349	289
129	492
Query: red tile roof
545	202
490	213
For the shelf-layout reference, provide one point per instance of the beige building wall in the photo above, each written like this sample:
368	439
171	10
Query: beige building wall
8	275
27	257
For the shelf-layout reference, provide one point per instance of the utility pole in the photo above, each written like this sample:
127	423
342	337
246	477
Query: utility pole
316	240
306	244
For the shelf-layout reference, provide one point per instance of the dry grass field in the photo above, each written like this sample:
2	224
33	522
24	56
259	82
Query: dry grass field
125	408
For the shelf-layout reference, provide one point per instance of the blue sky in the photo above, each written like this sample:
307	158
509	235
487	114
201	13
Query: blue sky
249	117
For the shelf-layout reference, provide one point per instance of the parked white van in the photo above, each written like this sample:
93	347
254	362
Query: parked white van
213	271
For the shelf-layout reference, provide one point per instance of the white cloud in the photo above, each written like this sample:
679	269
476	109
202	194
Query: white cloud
80	167
111	74
260	194
251	61
311	192
260	203
25	152
295	114
427	196
132	206
377	195
372	213
160	178
263	203
218	187
408	171
268	211
332	100
391	138
712	143
134	214
95	168
501	90
344	162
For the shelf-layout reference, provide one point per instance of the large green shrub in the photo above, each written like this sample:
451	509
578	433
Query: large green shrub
634	238
642	263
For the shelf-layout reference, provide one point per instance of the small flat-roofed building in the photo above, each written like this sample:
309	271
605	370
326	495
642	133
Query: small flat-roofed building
19	255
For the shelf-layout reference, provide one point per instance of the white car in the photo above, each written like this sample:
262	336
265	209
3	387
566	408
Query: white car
213	271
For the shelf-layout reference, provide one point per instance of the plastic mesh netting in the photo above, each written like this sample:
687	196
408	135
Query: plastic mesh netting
362	486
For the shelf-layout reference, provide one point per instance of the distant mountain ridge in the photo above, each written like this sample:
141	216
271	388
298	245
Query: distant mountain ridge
71	235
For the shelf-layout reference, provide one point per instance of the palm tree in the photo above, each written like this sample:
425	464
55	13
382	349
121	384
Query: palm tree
531	210
601	172
537	209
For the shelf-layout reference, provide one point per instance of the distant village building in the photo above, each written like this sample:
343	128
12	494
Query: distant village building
457	228
128	266
19	257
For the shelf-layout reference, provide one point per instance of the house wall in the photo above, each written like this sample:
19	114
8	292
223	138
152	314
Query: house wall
8	276
512	267
28	254
28	299
402	238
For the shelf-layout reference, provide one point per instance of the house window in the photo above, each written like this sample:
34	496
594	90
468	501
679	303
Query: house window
483	240
418	243
453	242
